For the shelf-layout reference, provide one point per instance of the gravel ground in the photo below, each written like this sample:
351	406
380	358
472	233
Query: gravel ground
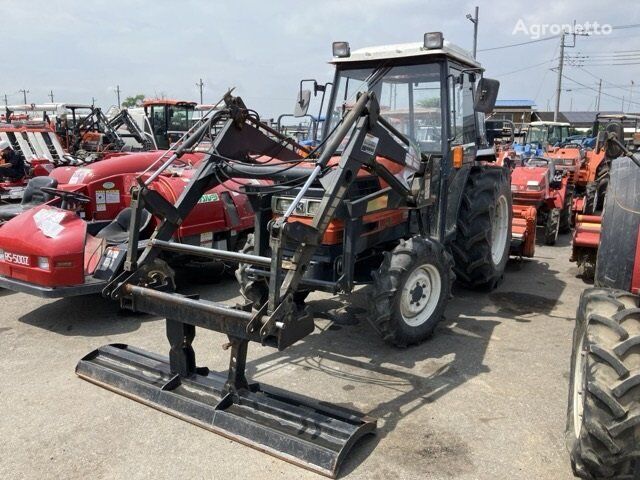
484	399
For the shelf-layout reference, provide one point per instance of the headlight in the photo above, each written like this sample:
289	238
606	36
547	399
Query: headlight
514	188
312	207
280	204
305	208
43	263
1	255
533	186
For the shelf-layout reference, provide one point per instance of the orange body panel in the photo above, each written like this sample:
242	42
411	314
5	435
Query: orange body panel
372	223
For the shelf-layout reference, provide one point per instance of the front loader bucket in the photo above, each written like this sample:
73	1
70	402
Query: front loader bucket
291	427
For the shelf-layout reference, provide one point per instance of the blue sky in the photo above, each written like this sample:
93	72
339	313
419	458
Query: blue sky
82	49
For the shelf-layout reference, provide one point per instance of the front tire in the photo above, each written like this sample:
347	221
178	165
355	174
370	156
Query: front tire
410	291
483	239
603	415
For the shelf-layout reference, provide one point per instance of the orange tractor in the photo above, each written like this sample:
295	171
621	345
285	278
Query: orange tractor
592	182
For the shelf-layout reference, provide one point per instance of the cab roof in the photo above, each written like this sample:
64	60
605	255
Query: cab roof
148	102
559	124
407	50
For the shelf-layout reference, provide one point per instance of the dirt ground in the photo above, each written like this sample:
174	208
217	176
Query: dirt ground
484	399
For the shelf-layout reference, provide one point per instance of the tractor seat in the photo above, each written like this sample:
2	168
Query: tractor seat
118	230
32	197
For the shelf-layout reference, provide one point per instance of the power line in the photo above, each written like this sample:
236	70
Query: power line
616	27
525	68
518	44
603	93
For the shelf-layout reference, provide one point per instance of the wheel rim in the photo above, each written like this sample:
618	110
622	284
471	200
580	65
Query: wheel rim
420	295
499	230
578	389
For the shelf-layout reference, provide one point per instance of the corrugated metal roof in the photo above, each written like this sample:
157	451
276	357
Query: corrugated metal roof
515	103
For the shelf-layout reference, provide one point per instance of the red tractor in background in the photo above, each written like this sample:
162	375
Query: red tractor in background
603	414
539	191
593	179
75	239
51	135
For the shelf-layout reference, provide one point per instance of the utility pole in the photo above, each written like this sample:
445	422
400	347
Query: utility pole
51	95
599	93
93	102
24	93
474	20
118	93
631	96
559	83
561	65
200	84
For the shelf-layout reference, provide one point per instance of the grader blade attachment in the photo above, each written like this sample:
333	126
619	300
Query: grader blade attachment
287	426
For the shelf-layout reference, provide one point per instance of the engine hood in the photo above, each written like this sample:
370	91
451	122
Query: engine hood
44	231
521	175
115	165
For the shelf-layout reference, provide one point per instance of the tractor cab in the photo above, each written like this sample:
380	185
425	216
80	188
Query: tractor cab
169	119
542	135
545	134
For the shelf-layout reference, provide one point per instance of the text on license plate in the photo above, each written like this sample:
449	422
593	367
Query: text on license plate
16	258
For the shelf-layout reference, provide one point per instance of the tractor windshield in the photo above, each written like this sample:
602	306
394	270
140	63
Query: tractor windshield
409	97
548	134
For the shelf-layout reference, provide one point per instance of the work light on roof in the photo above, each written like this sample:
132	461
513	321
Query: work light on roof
433	40
341	49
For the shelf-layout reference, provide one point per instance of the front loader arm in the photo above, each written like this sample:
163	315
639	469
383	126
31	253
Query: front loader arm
368	137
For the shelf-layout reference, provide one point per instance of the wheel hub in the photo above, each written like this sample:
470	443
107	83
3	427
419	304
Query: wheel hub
420	295
417	294
499	230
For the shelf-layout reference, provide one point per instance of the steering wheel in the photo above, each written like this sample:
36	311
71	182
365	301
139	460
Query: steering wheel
67	197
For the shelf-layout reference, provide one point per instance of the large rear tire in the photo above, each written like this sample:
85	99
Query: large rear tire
603	415
602	184
620	226
565	214
590	198
481	247
410	291
552	226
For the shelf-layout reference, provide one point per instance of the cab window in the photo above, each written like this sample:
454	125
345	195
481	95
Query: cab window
463	125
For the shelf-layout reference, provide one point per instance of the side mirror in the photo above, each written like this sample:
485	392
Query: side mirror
486	95
612	149
302	103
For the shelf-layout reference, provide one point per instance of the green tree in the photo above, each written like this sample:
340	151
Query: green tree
429	102
133	101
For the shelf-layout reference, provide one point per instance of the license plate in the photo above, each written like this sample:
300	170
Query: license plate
17	259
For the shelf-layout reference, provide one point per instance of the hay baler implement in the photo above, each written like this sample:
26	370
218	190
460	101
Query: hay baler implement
293	428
